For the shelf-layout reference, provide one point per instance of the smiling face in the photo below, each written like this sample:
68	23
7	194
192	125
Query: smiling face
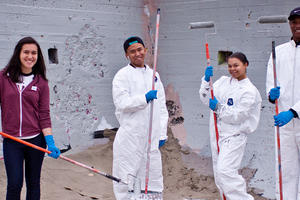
28	57
295	28
136	54
237	68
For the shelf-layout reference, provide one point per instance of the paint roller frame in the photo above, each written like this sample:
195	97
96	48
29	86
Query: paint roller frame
275	20
272	19
206	24
209	24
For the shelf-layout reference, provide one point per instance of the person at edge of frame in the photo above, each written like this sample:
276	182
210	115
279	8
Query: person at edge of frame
237	104
25	113
132	94
288	96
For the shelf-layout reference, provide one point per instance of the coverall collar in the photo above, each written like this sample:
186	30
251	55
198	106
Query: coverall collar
135	66
295	43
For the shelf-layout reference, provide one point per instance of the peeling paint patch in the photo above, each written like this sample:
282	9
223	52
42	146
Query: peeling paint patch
176	118
85	51
173	109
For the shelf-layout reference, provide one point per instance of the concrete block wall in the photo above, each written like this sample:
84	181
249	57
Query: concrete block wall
182	63
88	36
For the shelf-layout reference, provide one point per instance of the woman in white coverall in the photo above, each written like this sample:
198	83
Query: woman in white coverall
237	104
288	95
132	95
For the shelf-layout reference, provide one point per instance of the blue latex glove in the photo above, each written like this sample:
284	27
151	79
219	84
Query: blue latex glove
213	104
51	147
274	93
283	118
152	94
208	73
161	143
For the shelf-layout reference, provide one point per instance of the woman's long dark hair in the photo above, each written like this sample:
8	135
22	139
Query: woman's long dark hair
13	68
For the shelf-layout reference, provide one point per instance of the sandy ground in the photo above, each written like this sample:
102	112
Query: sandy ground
63	180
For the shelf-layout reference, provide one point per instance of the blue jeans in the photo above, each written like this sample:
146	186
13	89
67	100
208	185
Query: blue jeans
14	156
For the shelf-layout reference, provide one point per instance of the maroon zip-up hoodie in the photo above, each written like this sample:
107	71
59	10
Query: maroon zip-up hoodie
24	113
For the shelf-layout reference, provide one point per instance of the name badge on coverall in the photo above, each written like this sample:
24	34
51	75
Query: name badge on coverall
230	102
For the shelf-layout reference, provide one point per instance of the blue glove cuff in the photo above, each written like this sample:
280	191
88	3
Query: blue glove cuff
152	94
161	143
208	73
49	140
213	104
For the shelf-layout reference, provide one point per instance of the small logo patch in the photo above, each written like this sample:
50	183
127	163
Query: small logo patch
230	102
34	88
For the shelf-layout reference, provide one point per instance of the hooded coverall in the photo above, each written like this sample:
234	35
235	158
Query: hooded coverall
288	78
238	114
130	85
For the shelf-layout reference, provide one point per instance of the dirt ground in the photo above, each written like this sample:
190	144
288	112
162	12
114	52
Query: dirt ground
63	180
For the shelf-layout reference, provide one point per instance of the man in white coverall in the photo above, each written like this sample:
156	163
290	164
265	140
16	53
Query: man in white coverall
132	94
237	104
288	95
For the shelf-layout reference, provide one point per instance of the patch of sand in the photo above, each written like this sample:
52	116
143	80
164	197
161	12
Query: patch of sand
63	180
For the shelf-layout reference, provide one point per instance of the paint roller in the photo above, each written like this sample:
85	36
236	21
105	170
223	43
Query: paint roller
272	19
196	25
209	24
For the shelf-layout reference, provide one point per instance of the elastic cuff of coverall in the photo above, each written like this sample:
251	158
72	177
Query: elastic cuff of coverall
204	82
294	113
218	109
163	138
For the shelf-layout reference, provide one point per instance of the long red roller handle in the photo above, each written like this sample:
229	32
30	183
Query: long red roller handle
277	127
152	102
62	157
212	96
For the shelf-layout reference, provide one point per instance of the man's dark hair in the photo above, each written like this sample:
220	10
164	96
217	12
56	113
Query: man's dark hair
131	41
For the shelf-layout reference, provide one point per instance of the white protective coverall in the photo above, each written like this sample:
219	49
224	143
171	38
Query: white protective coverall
238	114
288	78
130	85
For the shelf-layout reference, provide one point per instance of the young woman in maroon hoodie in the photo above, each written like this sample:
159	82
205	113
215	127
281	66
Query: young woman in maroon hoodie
25	113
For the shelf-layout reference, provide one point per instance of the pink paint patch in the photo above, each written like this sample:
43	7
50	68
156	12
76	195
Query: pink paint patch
90	99
175	110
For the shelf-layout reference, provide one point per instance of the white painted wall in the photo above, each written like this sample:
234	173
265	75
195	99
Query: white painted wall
182	63
89	36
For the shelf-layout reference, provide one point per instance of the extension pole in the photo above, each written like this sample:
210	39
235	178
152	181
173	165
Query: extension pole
62	157
212	96
273	20
277	127
152	102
